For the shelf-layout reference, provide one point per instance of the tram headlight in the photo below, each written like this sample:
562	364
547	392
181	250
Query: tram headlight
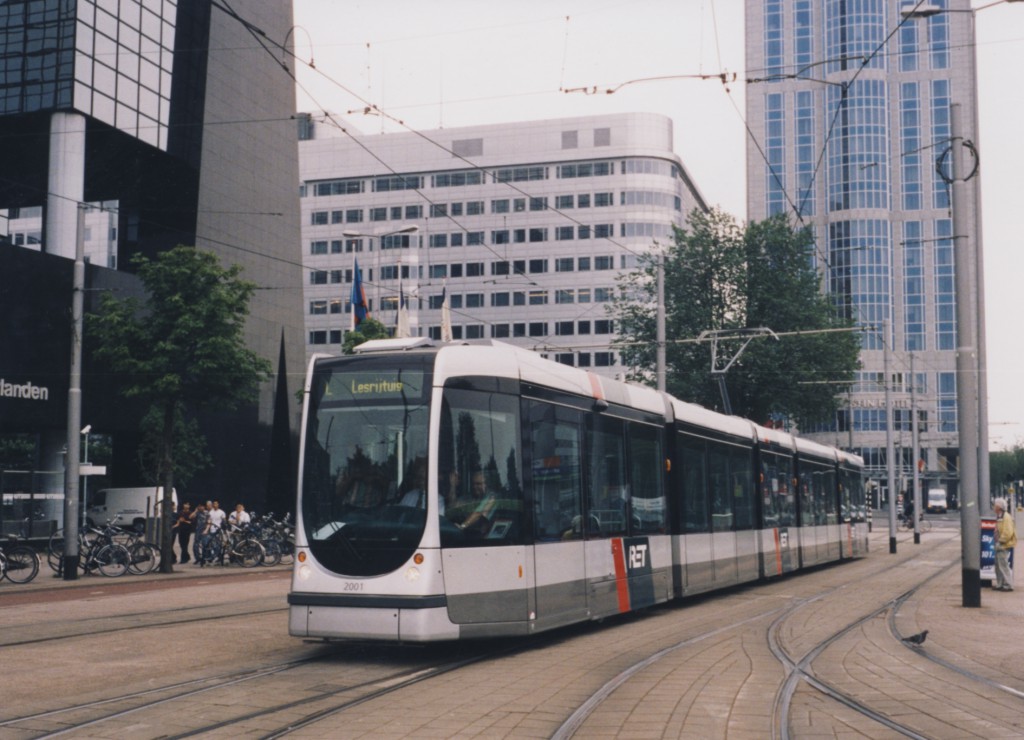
412	574
305	572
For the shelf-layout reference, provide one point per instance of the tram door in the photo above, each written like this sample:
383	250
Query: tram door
555	473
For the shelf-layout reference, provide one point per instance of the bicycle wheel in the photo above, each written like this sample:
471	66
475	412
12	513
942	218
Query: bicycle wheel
112	560
144	558
272	550
925	525
249	553
22	564
55	550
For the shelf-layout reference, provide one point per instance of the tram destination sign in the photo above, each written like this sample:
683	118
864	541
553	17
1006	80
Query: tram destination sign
375	385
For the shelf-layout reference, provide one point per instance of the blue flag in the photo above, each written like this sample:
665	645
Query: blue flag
360	307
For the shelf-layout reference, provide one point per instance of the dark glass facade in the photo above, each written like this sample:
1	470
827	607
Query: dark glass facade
150	77
111	61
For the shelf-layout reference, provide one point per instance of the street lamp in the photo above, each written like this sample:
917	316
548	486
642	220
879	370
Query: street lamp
85	480
379	235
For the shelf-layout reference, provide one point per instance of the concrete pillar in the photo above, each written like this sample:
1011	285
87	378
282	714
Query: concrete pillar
66	184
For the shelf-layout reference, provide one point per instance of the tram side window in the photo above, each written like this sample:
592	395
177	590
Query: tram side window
646	462
853	497
609	492
845	505
721	492
829	511
741	478
555	453
808	480
479	469
777	489
822	483
693	486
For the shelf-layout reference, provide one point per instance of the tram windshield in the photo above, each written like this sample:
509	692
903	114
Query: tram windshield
364	472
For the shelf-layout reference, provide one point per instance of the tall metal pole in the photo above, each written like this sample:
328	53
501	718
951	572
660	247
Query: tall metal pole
71	460
890	453
915	453
660	330
984	480
966	372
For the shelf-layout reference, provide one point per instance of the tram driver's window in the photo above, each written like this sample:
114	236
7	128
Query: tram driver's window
478	468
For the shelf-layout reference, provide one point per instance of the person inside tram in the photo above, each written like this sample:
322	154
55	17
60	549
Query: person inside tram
448	490
414	487
361	483
479	520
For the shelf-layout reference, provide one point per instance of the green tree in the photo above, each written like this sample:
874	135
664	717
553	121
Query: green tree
368	329
1006	465
180	350
720	276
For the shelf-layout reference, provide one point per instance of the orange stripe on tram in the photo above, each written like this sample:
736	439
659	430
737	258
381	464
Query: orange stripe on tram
621	581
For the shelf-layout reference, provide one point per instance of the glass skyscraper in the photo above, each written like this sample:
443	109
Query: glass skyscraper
849	108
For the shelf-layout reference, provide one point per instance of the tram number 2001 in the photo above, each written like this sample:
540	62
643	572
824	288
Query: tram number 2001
350	586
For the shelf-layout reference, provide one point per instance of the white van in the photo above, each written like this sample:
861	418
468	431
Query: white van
127	506
936	500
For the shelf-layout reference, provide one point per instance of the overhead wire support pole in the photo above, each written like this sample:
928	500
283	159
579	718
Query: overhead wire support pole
890	452
660	321
966	371
72	462
914	457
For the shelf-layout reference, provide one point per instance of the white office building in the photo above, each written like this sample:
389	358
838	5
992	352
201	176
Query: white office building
525	227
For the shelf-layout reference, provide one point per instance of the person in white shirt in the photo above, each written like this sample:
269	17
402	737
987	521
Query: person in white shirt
239	517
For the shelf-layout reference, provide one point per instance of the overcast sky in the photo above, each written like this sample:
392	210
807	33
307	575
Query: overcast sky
446	63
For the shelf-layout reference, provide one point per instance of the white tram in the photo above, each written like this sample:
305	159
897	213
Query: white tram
476	490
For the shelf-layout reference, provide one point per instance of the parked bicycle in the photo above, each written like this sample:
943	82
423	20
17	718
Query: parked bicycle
277	539
145	556
97	551
20	562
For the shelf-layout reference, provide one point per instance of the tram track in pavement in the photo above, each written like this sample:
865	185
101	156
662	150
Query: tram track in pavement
83	628
800	669
320	702
894	662
577	719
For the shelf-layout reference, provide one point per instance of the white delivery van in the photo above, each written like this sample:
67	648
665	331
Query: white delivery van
126	506
936	500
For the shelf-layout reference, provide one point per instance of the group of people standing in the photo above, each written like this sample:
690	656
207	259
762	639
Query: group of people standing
206	521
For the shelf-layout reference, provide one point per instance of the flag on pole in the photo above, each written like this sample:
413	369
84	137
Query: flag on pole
402	325
360	307
446	316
